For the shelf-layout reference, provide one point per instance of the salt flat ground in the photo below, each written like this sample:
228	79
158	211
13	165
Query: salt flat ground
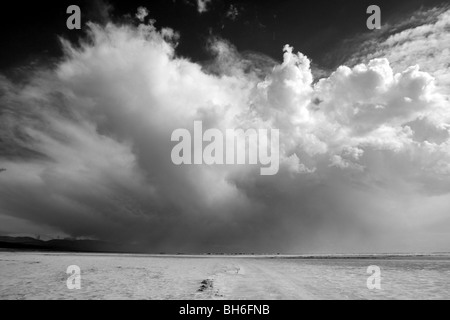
43	276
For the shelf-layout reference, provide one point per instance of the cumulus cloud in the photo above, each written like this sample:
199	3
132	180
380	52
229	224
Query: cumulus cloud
142	13
423	39
232	13
365	153
203	5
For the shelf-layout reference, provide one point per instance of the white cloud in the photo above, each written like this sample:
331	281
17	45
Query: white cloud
142	13
203	5
87	144
422	40
232	13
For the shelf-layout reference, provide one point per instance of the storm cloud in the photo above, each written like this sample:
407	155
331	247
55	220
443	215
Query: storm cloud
365	152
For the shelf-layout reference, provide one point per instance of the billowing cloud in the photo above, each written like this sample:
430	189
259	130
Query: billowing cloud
203	5
232	13
365	153
142	13
423	39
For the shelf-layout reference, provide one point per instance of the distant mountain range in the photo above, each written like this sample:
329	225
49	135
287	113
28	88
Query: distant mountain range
31	244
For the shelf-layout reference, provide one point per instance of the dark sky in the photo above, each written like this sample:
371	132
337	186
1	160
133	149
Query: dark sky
29	30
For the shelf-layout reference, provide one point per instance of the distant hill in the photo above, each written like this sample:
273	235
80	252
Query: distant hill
31	244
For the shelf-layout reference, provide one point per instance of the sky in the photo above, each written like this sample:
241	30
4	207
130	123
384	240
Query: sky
86	118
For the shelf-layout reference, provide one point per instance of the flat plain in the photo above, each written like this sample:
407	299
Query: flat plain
115	276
